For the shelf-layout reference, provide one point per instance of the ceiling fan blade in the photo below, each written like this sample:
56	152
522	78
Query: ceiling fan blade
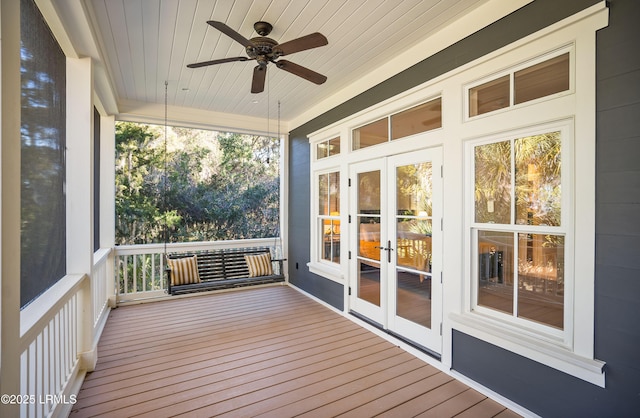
218	61
230	33
303	43
301	71
259	75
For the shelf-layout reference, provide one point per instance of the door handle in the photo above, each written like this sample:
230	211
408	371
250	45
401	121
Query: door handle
388	249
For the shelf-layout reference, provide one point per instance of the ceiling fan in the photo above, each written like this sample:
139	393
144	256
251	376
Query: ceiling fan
265	50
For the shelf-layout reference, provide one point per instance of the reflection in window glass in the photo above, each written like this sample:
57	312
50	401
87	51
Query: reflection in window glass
329	216
369	282
372	134
329	193
328	148
489	96
334	146
369	237
493	183
413	244
533	165
330	239
548	77
541	278
495	270
421	118
414	189
538	186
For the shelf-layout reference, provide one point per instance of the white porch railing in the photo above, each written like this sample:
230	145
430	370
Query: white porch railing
58	336
140	269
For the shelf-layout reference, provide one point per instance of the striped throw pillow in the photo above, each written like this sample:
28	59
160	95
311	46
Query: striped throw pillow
184	270
259	264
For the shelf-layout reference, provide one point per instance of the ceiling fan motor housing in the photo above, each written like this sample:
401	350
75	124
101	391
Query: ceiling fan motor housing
263	47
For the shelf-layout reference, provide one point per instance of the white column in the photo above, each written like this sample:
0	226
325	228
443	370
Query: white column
10	204
108	196
79	179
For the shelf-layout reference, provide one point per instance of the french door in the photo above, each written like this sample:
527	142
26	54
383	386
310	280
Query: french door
395	254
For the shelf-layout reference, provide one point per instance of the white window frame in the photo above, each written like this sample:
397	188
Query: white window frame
318	264
562	338
572	350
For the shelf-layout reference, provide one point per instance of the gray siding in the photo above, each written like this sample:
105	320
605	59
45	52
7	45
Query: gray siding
537	387
299	208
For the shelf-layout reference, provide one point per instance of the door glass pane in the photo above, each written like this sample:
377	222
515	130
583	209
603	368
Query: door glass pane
414	189
369	237
489	96
548	77
541	278
369	193
493	183
413	297
413	244
372	134
369	282
495	270
368	218
421	118
414	193
538	182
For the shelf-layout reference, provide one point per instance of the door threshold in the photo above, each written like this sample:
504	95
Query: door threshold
405	340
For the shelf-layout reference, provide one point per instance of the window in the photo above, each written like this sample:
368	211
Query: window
328	220
373	133
421	118
328	148
543	79
518	229
43	131
521	272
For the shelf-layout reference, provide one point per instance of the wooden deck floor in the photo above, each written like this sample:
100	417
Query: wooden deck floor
261	352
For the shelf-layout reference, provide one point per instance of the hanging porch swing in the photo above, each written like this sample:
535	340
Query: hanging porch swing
206	270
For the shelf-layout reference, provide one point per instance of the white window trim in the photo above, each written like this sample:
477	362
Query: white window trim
561	338
511	72
573	353
317	265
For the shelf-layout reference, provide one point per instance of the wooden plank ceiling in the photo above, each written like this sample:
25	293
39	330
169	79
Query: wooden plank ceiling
147	42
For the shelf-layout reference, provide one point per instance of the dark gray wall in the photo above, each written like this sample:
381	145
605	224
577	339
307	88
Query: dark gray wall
539	388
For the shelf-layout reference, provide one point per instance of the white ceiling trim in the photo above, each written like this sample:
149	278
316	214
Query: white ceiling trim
199	119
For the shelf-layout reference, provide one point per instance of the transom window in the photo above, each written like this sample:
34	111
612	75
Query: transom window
421	118
328	148
543	79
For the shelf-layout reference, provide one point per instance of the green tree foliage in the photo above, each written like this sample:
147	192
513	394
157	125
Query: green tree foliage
211	186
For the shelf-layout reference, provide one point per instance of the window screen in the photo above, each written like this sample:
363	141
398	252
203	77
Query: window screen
43	223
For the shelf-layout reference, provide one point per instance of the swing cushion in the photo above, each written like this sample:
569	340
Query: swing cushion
259	264
184	270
